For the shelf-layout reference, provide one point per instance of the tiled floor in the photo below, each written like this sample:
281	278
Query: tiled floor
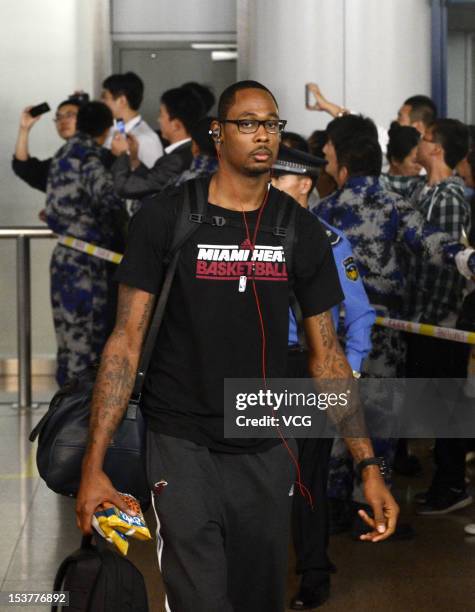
434	572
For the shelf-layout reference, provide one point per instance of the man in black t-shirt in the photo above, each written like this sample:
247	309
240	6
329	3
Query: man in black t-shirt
222	505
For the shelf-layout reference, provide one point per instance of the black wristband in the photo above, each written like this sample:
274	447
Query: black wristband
379	461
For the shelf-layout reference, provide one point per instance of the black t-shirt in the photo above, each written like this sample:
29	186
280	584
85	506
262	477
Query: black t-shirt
211	331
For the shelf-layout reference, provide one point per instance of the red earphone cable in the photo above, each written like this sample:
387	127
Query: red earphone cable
302	488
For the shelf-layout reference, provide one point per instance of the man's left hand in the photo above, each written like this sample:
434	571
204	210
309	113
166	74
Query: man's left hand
383	504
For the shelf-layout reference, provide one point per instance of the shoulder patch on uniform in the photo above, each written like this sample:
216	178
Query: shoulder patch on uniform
333	237
351	269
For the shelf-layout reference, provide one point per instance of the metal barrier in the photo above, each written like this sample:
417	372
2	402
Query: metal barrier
23	235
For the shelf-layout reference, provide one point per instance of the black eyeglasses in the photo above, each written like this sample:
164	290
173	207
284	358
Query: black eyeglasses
250	126
61	116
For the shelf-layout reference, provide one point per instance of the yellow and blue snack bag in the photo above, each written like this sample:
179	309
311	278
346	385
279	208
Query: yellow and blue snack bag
133	526
99	522
115	525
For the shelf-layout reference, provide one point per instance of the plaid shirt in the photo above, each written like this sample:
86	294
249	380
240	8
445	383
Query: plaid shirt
434	293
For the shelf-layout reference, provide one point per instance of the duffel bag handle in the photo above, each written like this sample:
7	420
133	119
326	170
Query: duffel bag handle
35	432
131	415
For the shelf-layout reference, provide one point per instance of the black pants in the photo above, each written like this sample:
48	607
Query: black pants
433	358
223	525
310	528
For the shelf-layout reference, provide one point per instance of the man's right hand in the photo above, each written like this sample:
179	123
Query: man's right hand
26	120
95	489
322	104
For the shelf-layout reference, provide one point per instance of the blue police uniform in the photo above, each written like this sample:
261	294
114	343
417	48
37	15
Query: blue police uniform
358	314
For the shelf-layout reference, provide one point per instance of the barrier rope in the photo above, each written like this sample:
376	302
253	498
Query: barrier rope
424	329
90	249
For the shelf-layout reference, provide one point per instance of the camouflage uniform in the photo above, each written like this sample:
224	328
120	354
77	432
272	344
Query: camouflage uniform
202	165
382	228
80	202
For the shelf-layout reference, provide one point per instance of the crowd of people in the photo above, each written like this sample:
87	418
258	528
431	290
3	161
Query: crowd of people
111	160
396	207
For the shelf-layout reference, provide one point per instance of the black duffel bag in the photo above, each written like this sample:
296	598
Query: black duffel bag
62	439
63	431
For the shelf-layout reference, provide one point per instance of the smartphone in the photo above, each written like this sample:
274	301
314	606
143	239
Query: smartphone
39	109
308	93
120	126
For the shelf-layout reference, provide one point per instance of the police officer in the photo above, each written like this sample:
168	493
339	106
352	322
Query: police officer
296	172
80	202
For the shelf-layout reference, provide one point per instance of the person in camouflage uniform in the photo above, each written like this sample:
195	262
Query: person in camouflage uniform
382	228
80	202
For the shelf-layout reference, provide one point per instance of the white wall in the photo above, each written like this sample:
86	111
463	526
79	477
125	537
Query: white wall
172	19
460	91
48	49
368	55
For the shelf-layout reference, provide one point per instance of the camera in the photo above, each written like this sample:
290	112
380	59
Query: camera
80	97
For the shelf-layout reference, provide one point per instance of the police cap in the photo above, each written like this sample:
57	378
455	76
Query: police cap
292	161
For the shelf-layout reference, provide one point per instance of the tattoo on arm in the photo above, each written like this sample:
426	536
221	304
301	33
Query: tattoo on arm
332	374
360	448
111	392
118	368
329	362
145	318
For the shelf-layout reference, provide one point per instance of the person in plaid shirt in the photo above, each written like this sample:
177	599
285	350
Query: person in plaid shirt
435	293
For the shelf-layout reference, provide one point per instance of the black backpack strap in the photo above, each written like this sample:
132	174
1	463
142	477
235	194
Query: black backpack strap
285	228
153	330
290	240
191	215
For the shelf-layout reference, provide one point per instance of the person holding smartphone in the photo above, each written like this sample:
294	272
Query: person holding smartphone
32	170
123	94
